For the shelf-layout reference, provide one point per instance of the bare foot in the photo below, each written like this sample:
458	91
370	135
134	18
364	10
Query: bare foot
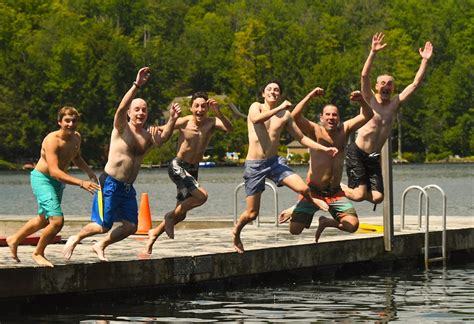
151	240
321	204
285	215
100	252
169	225
70	246
143	256
238	246
321	226
13	248
41	260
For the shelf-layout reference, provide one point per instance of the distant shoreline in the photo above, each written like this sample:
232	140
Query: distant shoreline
8	166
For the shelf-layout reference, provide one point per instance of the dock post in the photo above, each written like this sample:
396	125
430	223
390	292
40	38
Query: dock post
388	194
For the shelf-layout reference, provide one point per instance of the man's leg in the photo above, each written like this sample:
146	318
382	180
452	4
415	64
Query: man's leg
250	214
55	225
32	226
295	183
358	193
198	197
375	197
295	227
88	230
117	234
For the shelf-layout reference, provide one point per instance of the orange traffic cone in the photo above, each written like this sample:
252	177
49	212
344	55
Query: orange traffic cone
144	216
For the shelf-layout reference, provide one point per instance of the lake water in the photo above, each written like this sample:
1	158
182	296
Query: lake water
456	180
413	296
439	295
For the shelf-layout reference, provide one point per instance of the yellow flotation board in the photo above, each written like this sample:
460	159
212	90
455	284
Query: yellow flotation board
370	228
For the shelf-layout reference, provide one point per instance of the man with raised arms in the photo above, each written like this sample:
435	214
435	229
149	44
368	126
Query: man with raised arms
325	172
265	123
195	132
58	150
128	144
363	157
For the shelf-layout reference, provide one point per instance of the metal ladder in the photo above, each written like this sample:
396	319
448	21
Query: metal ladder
275	195
424	193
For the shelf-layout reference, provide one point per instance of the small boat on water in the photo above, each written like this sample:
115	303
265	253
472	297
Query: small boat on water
207	164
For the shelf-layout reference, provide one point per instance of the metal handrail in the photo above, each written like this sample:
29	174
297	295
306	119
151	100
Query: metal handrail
424	193
402	210
275	195
443	237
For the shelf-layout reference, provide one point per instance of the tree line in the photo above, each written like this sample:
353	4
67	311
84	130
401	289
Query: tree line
86	54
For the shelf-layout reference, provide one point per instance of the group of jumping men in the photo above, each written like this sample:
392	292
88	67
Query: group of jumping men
115	197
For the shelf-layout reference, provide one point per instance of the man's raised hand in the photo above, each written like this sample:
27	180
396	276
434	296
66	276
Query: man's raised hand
175	110
356	96
213	104
377	42
317	92
142	76
427	51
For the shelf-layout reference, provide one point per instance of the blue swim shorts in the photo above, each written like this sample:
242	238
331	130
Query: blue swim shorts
256	171
48	192
119	202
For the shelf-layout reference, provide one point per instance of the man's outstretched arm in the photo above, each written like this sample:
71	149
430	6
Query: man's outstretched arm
222	122
306	141
120	118
425	53
160	134
366	113
297	113
377	45
258	117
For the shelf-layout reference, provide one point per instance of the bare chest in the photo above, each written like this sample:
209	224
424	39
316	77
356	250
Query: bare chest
336	139
131	143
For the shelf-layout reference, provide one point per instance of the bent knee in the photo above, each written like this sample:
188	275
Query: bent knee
304	191
252	214
358	195
129	227
350	223
377	197
296	228
56	223
201	196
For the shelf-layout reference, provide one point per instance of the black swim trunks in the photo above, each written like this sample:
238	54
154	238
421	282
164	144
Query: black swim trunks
185	176
363	168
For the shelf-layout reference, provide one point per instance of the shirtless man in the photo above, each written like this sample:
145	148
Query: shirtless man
325	172
195	132
128	144
58	150
363	157
265	123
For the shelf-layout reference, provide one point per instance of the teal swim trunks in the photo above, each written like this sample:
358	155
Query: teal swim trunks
48	192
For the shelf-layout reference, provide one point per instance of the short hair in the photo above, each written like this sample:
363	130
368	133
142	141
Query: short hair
67	110
199	94
385	74
272	81
329	105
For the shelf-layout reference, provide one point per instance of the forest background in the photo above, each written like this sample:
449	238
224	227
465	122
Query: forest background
87	53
